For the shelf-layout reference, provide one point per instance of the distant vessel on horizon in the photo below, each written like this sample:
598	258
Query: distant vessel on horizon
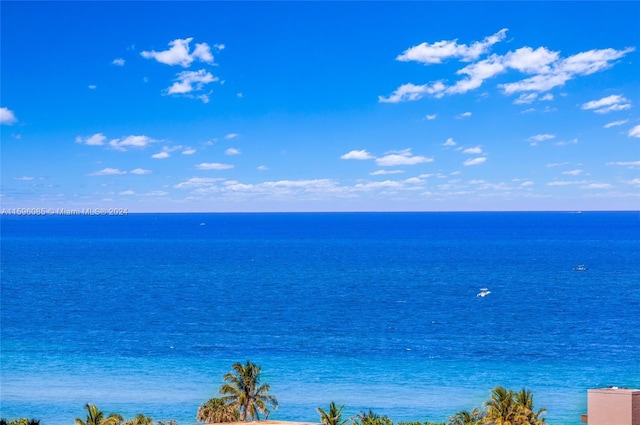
580	268
483	292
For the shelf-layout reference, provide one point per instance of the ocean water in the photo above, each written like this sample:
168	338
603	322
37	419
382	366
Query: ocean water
144	313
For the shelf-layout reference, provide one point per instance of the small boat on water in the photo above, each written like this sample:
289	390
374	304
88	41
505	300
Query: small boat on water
580	268
483	292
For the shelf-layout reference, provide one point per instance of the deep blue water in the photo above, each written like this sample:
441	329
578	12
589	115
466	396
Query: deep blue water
144	313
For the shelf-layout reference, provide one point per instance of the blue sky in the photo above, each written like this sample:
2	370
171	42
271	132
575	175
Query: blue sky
329	106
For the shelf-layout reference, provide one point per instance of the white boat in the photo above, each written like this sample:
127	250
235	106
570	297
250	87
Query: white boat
483	292
580	268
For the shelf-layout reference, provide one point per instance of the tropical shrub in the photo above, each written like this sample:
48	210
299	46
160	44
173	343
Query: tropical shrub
216	410
371	418
20	421
140	419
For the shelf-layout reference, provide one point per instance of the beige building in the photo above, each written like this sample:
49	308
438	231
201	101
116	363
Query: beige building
612	406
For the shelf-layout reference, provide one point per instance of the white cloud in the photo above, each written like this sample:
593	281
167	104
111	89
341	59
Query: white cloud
231	136
7	117
97	139
592	61
476	74
608	104
404	157
413	180
131	142
431	117
439	51
188	151
203	97
525	98
573	172
232	151
410	91
262	168
634	182
566	182
531	61
635	131
24	178
196	182
385	172
615	123
546	67
213	166
625	163
540	138
203	53
559	71
361	155
161	155
140	171
557	164
464	115
107	172
178	53
597	186
449	142
118	61
476	150
566	142
156	193
127	192
540	83
387	184
474	161
92	86
188	81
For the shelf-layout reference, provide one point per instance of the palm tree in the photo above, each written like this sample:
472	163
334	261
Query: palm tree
244	392
371	418
216	410
524	400
465	417
502	408
95	416
334	416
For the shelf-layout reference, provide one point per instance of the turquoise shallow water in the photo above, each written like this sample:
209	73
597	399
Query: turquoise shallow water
145	313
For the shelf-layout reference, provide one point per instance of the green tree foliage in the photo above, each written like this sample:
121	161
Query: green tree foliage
140	419
506	407
421	423
333	416
524	398
245	393
216	410
371	418
96	417
20	421
465	417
